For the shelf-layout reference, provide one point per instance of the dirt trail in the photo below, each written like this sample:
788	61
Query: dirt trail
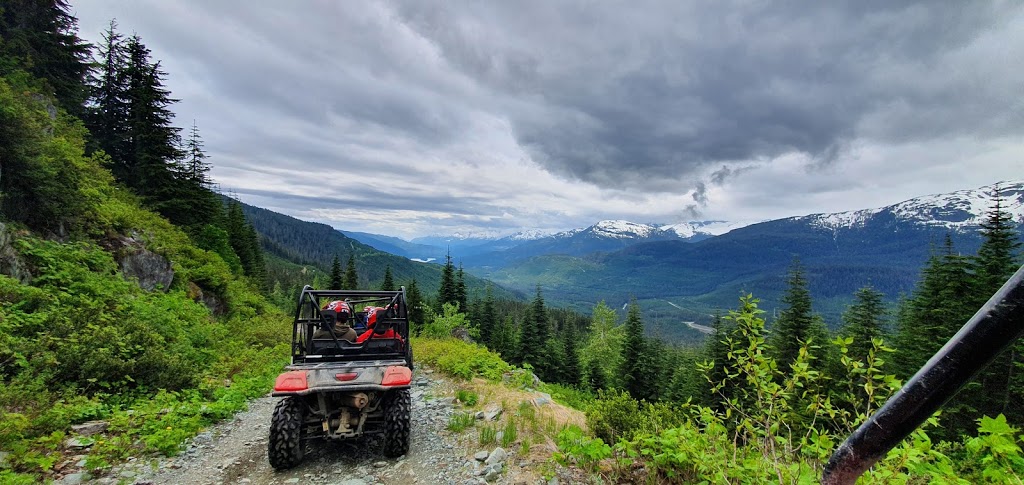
236	452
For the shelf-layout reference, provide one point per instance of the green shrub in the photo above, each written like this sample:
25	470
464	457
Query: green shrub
460	359
614	415
467	397
575	447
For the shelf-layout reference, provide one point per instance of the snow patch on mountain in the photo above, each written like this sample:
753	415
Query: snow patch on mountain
622	229
690	229
960	210
529	235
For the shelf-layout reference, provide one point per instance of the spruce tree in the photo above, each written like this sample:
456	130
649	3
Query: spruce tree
389	283
796	324
571	369
447	292
196	168
487	318
460	288
864	320
152	141
107	118
632	371
41	38
996	261
534	336
336	275
351	281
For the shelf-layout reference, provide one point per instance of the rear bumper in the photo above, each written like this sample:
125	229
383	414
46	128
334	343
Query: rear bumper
349	388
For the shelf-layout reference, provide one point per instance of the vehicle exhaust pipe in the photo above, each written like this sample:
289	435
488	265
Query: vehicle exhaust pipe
358	400
996	326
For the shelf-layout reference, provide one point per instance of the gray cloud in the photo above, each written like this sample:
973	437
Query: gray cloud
512	114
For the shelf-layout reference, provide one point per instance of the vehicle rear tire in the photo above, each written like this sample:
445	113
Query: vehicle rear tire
397	423
285	446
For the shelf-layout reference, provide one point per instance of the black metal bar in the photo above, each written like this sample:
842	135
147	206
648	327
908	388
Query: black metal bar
996	326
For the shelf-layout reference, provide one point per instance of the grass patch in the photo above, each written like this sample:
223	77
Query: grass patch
467	397
488	435
460	422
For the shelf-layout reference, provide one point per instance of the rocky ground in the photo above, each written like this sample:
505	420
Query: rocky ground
236	452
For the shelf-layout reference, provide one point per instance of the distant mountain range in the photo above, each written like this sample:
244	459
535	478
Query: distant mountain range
684	272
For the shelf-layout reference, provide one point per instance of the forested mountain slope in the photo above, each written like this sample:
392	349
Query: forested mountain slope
318	244
885	247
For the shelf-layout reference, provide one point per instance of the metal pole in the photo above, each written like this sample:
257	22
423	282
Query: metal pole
995	327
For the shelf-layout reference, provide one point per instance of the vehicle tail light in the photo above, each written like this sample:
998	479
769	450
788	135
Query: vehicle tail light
291	381
397	375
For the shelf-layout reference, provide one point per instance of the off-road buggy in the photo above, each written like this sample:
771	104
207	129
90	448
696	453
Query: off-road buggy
350	373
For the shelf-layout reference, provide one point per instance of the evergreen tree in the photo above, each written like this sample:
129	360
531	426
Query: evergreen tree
864	321
996	261
196	168
487	318
414	305
505	340
796	324
41	38
257	268
534	336
653	369
447	292
152	141
935	313
632	371
336	275
571	369
238	235
389	283
460	288
107	119
351	281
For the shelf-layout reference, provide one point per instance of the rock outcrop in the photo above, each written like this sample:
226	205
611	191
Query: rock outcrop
11	263
150	270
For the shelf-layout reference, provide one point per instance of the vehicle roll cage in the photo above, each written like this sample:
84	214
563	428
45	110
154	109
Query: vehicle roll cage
309	317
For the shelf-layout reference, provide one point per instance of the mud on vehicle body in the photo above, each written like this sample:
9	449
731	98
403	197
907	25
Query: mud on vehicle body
338	388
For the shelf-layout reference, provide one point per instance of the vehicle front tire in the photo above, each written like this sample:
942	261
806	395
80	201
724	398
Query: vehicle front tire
284	449
397	423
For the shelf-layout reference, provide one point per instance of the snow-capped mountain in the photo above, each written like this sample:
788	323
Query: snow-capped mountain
963	210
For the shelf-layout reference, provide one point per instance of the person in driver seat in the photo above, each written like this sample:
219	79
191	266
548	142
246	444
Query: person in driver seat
342	329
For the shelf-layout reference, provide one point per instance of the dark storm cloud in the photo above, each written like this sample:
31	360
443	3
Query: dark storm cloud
654	93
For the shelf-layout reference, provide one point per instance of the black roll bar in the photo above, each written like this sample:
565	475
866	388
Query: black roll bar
996	326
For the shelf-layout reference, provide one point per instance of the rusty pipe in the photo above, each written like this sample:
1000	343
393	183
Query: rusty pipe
997	325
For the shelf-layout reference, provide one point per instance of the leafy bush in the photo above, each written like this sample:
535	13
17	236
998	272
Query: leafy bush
574	446
467	397
460	359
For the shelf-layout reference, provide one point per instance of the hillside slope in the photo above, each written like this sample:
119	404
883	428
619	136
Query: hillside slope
314	243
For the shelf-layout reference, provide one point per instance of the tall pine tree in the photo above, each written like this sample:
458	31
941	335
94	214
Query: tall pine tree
632	371
336	275
351	281
796	324
447	292
488	320
534	337
41	38
389	283
414	306
864	320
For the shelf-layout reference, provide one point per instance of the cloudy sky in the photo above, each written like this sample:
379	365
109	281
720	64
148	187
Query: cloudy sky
435	117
